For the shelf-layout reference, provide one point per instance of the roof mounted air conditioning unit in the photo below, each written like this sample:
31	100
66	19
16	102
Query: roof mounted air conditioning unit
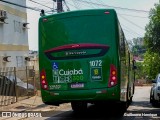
3	14
27	58
6	59
25	25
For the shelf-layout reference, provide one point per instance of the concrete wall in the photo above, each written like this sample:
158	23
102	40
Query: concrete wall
13	36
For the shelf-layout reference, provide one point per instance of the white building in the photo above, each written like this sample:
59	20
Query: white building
14	48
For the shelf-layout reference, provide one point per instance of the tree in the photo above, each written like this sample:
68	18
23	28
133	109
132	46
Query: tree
140	73
152	41
151	64
152	35
138	48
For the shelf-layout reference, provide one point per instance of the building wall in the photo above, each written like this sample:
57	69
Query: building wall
13	36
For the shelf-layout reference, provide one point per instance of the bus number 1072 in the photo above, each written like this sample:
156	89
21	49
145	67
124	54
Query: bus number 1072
96	63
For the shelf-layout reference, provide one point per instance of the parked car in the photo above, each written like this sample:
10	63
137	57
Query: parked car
7	86
155	91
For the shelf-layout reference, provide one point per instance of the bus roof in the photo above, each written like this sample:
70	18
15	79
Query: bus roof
80	12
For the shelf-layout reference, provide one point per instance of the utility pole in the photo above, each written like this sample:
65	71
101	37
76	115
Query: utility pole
59	6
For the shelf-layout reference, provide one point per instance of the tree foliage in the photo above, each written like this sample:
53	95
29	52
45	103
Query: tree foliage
152	35
140	73
151	64
138	47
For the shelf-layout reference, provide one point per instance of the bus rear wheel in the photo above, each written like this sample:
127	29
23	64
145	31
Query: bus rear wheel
120	109
123	107
79	106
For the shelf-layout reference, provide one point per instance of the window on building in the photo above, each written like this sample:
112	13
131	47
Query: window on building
17	26
19	60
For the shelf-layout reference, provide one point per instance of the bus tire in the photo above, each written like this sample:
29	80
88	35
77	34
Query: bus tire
133	88
151	98
130	100
153	101
122	108
79	106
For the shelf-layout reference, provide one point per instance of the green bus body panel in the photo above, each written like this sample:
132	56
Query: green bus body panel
87	95
92	27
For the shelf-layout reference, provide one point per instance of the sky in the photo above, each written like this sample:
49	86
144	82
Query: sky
133	18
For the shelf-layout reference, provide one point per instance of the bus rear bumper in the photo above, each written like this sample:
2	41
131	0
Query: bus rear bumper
92	95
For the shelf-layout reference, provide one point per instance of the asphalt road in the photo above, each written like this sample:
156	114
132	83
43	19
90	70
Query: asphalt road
140	109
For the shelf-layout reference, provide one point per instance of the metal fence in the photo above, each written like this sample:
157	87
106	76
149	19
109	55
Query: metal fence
16	84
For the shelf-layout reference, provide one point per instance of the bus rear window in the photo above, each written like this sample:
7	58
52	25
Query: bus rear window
79	29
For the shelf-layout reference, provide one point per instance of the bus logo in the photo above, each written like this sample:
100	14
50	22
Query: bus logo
96	73
65	75
76	53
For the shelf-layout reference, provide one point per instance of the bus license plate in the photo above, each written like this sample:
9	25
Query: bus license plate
77	85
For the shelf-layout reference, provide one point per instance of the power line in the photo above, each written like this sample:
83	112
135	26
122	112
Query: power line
73	5
92	5
76	4
133	15
68	9
40	4
78	7
131	22
131	31
104	5
35	9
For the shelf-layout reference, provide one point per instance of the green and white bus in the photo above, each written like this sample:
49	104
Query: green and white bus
84	58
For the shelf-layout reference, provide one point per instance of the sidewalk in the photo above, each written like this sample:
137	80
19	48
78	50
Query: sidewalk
32	104
25	104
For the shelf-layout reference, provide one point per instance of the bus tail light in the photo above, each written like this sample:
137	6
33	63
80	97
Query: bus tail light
43	79
113	76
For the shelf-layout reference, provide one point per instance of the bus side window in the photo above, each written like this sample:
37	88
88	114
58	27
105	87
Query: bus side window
122	46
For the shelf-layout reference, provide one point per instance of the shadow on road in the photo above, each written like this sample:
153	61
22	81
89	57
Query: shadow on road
141	110
141	104
144	105
105	112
